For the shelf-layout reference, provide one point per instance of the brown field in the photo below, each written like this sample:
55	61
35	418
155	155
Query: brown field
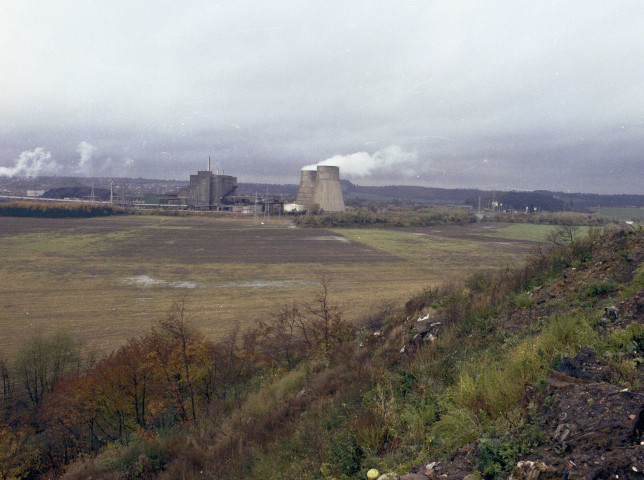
106	279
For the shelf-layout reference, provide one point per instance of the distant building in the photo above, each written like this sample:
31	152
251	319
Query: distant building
208	191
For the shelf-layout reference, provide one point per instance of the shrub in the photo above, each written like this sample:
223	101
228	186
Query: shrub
596	289
496	458
58	209
346	454
457	427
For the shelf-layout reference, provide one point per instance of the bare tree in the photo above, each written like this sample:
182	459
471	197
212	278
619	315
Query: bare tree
176	325
283	339
563	234
6	380
44	361
323	328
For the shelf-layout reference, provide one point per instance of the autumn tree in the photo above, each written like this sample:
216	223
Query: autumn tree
67	417
323	328
45	360
16	456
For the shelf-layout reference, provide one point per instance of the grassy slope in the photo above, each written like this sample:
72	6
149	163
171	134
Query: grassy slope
378	406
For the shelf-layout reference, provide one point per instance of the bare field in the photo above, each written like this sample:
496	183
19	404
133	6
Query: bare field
106	279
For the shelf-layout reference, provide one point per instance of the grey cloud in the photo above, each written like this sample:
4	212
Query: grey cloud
483	94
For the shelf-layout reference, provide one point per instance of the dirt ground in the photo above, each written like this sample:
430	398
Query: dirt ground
107	279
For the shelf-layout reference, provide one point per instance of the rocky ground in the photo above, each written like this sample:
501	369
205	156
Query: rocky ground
590	425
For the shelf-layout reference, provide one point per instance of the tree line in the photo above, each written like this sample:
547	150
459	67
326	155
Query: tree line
57	209
410	217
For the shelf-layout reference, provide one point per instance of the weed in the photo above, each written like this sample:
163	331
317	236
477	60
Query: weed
632	335
457	427
521	300
346	454
599	288
496	458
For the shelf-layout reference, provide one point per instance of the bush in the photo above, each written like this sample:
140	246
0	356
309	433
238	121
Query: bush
405	218
58	209
497	458
596	289
457	427
346	454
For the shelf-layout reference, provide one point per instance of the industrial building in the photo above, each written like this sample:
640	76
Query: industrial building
208	190
321	188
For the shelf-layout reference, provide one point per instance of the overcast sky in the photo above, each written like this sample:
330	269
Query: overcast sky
488	94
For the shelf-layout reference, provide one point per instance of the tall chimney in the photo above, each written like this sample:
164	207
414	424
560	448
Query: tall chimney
209	164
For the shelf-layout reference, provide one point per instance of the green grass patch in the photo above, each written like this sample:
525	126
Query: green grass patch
622	213
438	251
520	231
526	232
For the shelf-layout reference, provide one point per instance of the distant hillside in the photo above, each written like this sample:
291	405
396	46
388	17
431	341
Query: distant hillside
521	201
542	199
595	200
79	192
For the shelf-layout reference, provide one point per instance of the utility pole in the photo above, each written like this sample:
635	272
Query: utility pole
255	211
267	207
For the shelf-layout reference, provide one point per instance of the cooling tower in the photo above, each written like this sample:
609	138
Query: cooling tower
307	183
327	192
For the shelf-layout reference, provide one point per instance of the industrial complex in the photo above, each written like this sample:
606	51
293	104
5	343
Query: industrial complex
319	190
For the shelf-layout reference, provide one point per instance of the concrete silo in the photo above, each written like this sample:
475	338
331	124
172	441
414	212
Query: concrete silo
327	192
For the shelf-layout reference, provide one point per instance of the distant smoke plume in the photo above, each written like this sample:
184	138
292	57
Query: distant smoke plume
32	164
389	160
116	167
90	164
86	151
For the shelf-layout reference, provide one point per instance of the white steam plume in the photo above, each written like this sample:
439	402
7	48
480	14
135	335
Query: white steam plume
86	151
32	164
391	159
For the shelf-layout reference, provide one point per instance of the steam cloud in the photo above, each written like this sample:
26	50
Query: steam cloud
39	162
86	151
89	164
391	159
32	164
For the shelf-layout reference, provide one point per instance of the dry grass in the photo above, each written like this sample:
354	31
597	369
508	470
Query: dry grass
88	276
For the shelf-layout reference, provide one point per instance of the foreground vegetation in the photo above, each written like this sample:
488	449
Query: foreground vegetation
411	216
58	209
307	395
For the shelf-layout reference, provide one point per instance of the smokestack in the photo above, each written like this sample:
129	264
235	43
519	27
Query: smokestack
327	192
209	164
